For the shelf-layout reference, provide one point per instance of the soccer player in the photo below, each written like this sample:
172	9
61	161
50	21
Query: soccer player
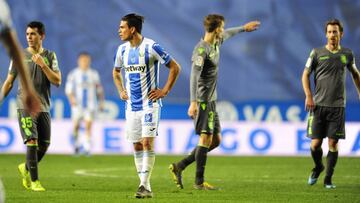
84	92
202	109
327	106
35	131
140	58
10	40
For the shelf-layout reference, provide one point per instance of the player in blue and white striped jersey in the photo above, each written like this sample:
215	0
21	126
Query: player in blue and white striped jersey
140	59
85	94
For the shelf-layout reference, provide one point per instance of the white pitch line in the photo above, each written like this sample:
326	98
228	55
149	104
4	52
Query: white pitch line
99	172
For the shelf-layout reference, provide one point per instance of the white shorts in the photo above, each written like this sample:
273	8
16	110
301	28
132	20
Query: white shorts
78	114
141	124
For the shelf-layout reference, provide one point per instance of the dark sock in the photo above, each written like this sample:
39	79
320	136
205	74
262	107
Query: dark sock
331	162
200	157
317	157
32	162
187	160
41	151
190	158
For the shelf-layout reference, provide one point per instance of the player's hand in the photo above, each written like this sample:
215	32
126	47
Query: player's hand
101	106
309	104
124	95
251	26
32	103
72	102
193	110
156	94
38	59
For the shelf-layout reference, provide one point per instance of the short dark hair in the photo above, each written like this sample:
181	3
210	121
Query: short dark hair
334	22
39	25
84	53
213	21
134	20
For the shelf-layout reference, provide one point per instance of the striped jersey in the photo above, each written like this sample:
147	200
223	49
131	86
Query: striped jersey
84	84
141	66
5	19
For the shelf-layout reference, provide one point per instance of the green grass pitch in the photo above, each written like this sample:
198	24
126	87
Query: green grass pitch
113	178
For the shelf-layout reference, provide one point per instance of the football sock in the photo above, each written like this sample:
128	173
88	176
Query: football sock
200	157
41	151
76	139
331	162
32	162
138	158
148	165
87	144
317	157
189	159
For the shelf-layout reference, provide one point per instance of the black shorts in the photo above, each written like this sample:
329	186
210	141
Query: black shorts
207	120
35	128
326	122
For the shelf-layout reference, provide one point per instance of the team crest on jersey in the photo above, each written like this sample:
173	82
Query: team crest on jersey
141	54
148	118
343	59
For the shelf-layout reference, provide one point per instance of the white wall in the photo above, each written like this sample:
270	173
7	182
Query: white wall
176	137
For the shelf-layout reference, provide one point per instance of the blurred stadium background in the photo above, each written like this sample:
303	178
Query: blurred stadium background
259	86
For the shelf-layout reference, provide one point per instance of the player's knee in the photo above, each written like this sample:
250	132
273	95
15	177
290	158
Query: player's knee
333	145
138	146
147	144
31	142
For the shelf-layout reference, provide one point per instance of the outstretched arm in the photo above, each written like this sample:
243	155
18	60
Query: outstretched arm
248	27
173	75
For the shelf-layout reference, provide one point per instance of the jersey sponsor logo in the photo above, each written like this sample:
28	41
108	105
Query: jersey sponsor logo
136	68
322	58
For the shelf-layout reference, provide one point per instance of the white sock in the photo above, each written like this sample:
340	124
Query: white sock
77	140
148	165
87	144
138	159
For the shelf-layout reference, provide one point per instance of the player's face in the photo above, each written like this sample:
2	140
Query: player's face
219	31
124	31
33	38
333	34
84	62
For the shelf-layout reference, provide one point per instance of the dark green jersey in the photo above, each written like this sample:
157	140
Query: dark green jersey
205	60
39	79
205	65
329	75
